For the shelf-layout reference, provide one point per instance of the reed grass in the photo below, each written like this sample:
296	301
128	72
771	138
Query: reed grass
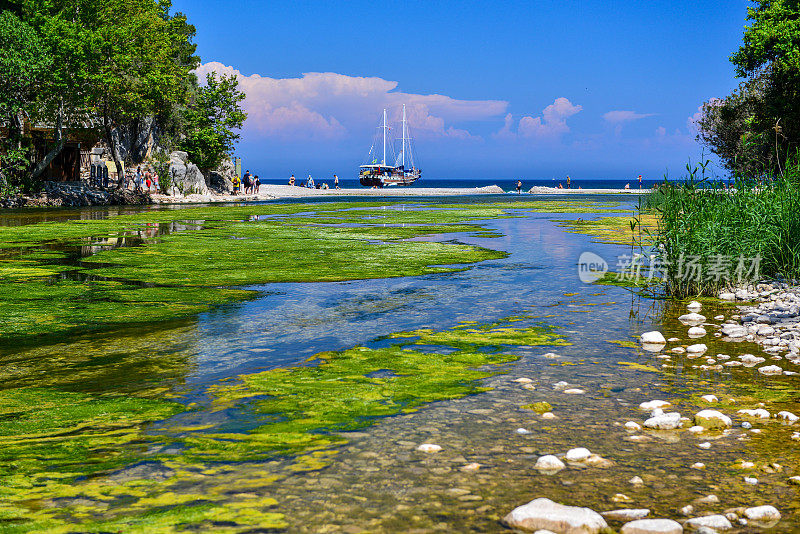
718	227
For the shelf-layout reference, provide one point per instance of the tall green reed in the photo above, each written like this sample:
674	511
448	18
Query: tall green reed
708	234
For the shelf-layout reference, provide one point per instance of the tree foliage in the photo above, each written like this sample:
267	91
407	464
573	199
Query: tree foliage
108	63
213	113
757	128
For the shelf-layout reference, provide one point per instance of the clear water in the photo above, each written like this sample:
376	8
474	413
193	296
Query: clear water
378	482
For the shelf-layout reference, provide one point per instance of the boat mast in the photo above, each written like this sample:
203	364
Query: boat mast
404	137
384	137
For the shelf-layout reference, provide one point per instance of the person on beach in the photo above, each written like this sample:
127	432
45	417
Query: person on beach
147	180
138	179
310	182
519	187
335	181
627	186
291	180
156	184
236	183
640	181
257	184
569	181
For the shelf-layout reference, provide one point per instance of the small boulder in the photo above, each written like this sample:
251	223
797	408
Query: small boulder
762	513
711	399
770	370
694	306
545	514
549	463
649	406
717	522
758	413
578	454
626	514
692	319
787	416
700	348
429	447
712	419
654	337
652	526
697	331
667	421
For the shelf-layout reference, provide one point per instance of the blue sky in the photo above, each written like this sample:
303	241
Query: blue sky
536	89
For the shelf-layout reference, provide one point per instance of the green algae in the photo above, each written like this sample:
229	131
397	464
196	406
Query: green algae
538	407
61	450
620	230
342	394
628	344
639	367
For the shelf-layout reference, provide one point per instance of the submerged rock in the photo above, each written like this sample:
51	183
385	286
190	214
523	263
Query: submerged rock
700	348
692	319
429	447
652	526
770	370
577	455
712	419
626	514
667	421
549	463
694	306
697	331
787	416
653	404
654	337
545	514
758	413
717	522
762	513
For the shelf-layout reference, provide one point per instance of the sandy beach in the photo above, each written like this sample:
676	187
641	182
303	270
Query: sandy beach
272	192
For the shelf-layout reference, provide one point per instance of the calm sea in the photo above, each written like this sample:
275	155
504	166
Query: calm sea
507	185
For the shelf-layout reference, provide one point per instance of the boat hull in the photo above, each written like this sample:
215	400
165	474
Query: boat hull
386	180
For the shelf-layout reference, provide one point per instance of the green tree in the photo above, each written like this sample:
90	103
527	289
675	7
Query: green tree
757	127
116	61
24	60
213	114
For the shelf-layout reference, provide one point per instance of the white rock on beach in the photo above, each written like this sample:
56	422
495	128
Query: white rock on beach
694	306
692	319
549	463
667	421
716	522
697	331
700	348
734	331
655	337
652	526
770	370
626	514
545	514
787	416
726	295
748	360
649	406
712	419
758	413
762	513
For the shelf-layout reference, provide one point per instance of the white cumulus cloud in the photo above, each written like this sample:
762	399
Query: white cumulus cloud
550	125
620	116
328	105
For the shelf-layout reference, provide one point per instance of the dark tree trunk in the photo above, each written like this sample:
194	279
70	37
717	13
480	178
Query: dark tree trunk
114	149
58	137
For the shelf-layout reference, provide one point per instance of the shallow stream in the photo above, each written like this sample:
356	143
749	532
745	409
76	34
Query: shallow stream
375	480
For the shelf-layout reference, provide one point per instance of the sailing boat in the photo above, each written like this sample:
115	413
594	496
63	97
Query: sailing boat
381	174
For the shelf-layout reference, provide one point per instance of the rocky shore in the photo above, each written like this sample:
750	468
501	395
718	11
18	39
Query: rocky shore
769	316
75	195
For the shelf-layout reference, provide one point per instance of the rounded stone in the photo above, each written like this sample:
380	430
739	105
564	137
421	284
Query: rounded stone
652	526
545	514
